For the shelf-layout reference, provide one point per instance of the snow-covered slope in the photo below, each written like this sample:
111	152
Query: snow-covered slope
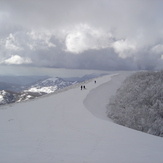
11	93
49	85
7	97
59	128
41	88
52	84
138	103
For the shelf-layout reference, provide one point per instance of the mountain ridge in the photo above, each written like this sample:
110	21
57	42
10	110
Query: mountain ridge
40	87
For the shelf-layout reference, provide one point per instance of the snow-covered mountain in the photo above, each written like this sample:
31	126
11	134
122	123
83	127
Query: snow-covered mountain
52	84
16	93
42	87
62	128
7	97
49	85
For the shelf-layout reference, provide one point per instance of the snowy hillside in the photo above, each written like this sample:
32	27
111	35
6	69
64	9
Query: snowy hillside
50	85
63	128
11	93
41	87
7	97
138	103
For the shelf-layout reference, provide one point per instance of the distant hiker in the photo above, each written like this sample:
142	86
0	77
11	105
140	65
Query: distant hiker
84	86
95	81
81	87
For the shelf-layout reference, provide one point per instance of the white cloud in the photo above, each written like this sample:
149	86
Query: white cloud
39	40
12	44
17	60
124	48
83	37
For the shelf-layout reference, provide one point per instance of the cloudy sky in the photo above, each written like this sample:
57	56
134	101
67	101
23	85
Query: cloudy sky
85	34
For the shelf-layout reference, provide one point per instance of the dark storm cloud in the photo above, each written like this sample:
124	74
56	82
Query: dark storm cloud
92	34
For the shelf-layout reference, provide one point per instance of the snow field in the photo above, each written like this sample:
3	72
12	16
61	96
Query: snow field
65	127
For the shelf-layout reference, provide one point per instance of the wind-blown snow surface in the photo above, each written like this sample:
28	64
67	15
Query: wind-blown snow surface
59	128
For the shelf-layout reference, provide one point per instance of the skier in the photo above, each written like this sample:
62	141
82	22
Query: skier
81	87
95	81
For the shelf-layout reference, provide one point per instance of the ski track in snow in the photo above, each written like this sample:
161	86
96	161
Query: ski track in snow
67	127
